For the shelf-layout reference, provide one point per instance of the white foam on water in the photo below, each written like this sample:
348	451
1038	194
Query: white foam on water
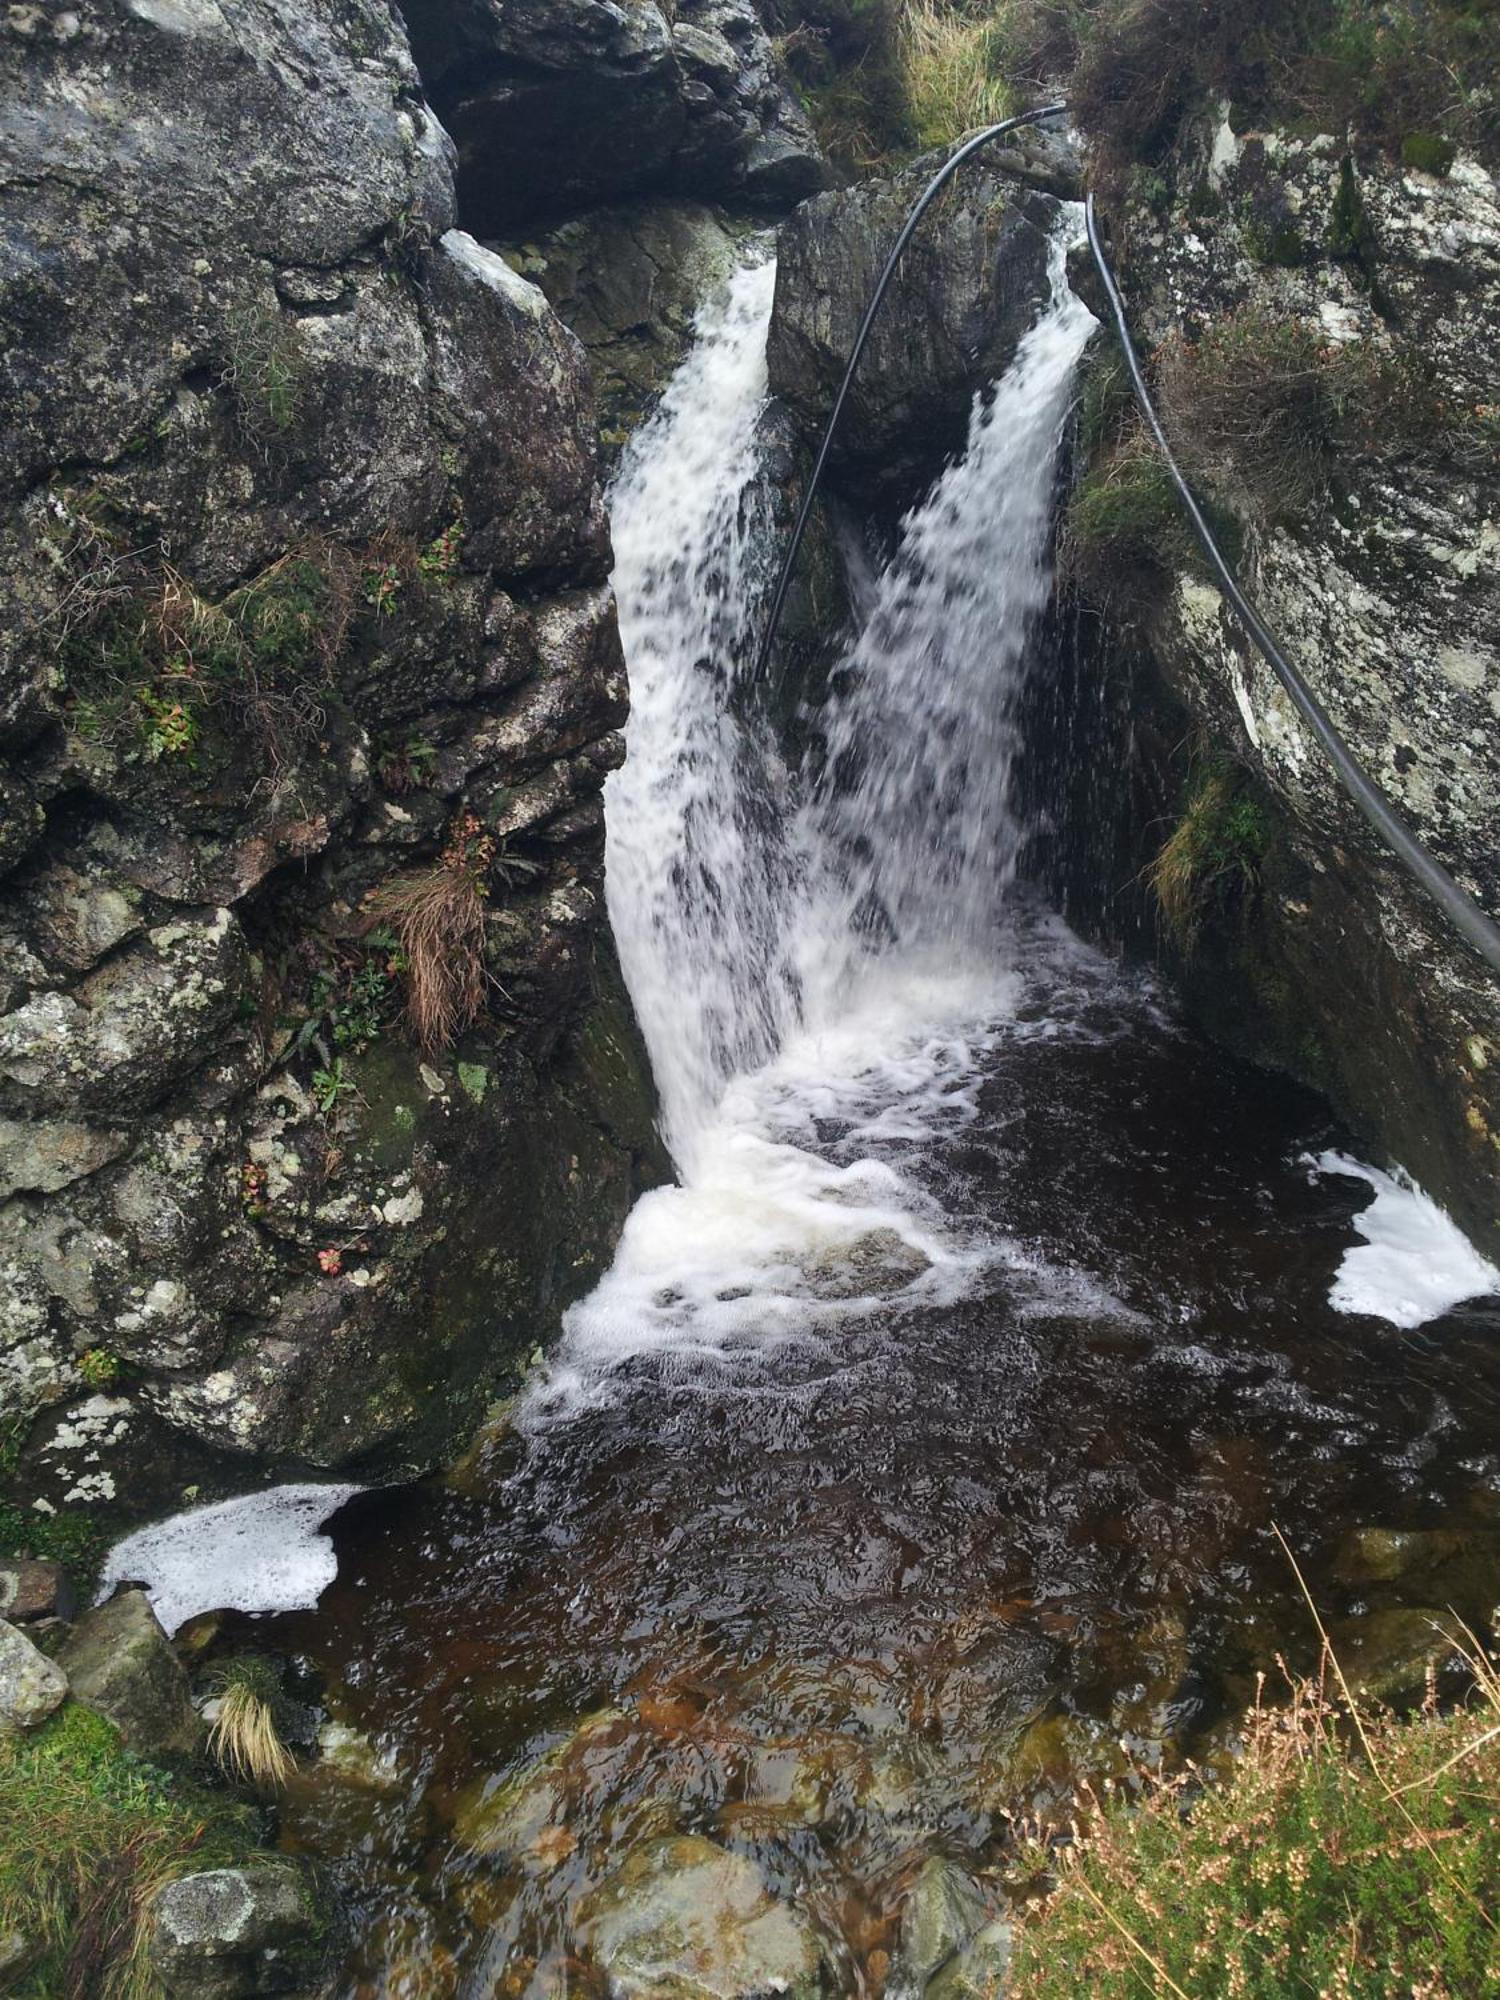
1414	1263
818	968
260	1552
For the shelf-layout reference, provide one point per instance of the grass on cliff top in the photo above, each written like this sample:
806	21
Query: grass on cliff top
1134	68
1353	1854
88	1833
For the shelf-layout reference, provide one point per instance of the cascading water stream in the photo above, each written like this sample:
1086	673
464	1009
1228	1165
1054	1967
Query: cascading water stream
813	968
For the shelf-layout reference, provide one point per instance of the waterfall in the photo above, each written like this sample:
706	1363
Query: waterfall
817	966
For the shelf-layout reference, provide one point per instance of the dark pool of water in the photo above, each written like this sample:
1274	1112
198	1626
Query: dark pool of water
906	1591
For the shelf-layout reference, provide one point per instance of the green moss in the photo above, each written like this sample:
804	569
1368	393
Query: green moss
266	372
1276	243
87	1834
1428	153
76	1537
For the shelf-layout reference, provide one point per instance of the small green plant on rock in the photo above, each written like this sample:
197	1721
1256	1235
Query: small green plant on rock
332	1085
99	1367
1215	849
266	372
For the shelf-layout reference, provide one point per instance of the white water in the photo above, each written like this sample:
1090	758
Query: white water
260	1552
816	972
1414	1263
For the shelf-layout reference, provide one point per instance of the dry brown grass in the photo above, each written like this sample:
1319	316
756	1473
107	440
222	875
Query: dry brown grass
246	1741
438	915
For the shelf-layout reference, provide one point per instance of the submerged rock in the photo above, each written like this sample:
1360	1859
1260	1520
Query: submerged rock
942	1912
978	1972
1389	1654
682	1919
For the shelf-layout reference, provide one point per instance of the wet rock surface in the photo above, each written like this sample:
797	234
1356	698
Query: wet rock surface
305	562
557	105
967	289
683	1919
1382	589
235	1931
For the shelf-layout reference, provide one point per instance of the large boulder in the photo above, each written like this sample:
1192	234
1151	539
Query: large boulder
682	1919
233	1931
120	1662
556	105
968	287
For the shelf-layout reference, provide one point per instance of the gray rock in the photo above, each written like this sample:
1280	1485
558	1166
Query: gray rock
628	281
40	1158
120	1662
538	96
17	1953
967	289
32	1687
979	1971
942	1912
682	1919
216	1933
35	1590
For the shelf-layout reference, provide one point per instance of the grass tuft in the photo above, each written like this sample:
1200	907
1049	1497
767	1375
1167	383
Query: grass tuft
438	917
245	1737
948	62
1215	850
88	1834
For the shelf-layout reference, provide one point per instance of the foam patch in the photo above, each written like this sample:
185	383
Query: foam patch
261	1552
1415	1263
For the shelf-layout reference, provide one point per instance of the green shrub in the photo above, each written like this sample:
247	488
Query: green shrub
1358	1869
88	1833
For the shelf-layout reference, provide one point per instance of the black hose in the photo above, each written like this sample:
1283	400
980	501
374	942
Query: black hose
1461	909
929	195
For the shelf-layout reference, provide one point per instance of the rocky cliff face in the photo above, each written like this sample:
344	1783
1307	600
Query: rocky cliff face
1322	323
306	612
559	105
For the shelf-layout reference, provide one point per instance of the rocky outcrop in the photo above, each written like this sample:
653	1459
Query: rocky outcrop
120	1663
305	605
629	281
557	105
1365	505
967	288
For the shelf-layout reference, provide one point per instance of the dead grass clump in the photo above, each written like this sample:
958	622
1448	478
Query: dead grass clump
1266	406
247	1742
438	917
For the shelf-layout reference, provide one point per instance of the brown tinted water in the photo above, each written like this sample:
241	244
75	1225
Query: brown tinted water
886	1593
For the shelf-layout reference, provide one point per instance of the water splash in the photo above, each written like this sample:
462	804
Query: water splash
818	969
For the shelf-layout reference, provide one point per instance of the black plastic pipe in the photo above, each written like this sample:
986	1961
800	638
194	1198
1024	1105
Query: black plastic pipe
1472	923
925	200
1456	903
